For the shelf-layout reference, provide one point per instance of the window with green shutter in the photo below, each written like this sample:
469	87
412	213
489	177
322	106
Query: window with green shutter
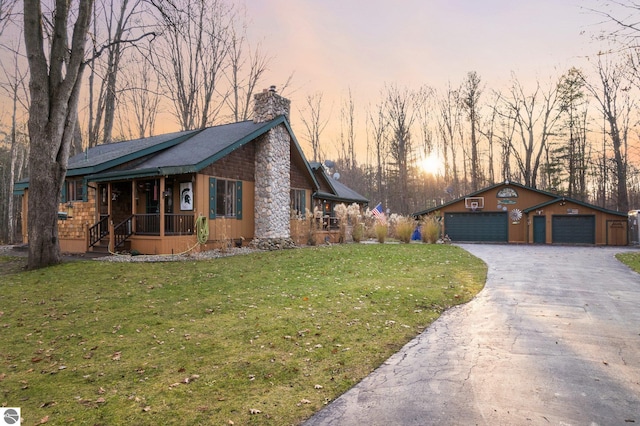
225	198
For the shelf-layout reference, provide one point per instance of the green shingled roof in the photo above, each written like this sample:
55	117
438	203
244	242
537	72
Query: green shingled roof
103	157
340	192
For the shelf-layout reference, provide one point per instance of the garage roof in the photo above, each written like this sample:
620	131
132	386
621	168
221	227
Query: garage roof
581	203
554	198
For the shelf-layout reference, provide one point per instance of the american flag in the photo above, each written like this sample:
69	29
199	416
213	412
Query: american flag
379	213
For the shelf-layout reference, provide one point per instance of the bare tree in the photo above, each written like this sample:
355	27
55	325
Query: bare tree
346	146
424	117
116	20
379	136
245	71
142	92
314	123
54	87
6	13
623	15
401	107
471	92
612	95
535	117
449	125
572	154
15	87
191	57
490	129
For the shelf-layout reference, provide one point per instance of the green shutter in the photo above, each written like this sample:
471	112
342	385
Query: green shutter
85	190
63	193
239	199
212	198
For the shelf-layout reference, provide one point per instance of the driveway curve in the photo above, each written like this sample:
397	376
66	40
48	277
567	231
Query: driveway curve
552	339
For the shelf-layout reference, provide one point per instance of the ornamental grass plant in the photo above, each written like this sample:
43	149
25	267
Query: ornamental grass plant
430	229
404	227
381	230
265	338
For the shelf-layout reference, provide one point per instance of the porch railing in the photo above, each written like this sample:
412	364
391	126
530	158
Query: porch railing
99	231
327	223
178	224
174	224
122	231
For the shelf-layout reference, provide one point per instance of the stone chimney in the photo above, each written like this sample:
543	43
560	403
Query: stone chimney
272	169
269	105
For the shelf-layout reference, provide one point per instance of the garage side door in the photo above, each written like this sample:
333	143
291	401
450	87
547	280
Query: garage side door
573	229
479	226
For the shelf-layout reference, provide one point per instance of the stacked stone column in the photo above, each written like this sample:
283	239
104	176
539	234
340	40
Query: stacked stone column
272	169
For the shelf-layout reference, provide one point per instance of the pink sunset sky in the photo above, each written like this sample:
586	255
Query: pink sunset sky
336	45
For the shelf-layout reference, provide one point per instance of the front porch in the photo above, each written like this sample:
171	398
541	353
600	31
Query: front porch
138	227
147	215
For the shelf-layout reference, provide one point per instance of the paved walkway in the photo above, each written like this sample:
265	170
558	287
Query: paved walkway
553	339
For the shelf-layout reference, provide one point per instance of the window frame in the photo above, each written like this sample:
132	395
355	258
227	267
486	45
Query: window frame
298	203
74	190
226	200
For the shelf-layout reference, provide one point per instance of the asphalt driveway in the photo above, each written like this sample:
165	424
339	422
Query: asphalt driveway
553	339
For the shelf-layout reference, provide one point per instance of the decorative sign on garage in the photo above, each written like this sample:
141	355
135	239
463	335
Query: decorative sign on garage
507	192
515	215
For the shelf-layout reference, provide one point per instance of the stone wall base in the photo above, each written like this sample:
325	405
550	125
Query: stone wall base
273	243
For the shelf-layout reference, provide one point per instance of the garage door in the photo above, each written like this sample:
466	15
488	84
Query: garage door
574	229
479	226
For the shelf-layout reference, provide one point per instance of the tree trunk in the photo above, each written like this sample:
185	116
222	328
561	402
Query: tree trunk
54	89
11	233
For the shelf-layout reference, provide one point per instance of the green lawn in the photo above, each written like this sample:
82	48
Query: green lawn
277	334
631	259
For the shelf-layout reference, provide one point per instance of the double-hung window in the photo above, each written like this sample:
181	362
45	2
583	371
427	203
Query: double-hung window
298	203
73	190
225	198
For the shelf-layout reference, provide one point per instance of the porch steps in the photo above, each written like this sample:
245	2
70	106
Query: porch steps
103	246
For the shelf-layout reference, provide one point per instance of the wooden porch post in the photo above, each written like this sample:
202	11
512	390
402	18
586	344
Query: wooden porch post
161	196
134	204
86	236
112	237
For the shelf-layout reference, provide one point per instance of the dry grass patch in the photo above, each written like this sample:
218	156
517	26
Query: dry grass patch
266	338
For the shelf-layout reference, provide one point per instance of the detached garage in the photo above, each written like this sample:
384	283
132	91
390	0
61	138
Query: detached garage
514	213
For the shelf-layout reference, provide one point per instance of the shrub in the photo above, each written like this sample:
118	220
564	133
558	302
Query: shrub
354	217
404	228
381	231
430	229
342	215
358	232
